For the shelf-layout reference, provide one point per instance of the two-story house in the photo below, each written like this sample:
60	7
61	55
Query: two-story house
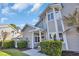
10	30
51	27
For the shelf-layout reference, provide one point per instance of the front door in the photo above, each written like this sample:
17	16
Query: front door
36	42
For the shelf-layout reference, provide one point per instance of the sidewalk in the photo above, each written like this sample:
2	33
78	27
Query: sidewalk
33	52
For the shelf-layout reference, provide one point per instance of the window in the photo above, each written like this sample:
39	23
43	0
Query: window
61	36
37	39
50	36
50	16
54	36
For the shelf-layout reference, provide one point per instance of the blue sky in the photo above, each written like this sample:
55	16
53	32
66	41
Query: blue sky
20	13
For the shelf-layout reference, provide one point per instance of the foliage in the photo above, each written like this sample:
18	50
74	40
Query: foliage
13	25
3	54
0	43
4	36
51	47
73	20
8	44
22	44
12	52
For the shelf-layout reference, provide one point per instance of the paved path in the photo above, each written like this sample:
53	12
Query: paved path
33	52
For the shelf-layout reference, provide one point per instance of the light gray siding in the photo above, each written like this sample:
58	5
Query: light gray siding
59	25
71	35
68	8
28	36
73	40
51	26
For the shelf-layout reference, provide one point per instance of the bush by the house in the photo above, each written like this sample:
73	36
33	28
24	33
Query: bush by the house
51	47
8	44
0	43
22	44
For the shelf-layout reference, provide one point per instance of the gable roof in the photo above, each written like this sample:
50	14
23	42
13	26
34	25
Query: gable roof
27	25
7	25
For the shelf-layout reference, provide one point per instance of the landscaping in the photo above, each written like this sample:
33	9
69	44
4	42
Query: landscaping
8	48
22	44
51	47
11	44
11	52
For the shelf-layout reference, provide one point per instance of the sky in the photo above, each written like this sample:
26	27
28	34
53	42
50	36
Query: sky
21	13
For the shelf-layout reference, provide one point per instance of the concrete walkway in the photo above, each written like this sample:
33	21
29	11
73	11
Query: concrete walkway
33	52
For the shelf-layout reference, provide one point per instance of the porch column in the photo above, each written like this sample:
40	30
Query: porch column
32	40
56	25
16	43
64	34
48	37
40	35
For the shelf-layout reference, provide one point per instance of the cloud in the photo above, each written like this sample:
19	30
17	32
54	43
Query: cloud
34	21
36	6
5	11
3	19
21	25
20	6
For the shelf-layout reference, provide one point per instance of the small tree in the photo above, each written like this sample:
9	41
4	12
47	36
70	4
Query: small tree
73	20
13	25
4	36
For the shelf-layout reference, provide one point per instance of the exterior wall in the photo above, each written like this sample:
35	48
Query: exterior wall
42	24
7	29
51	26
68	8
59	25
71	35
73	40
28	36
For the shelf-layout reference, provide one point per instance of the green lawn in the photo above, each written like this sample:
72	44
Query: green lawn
11	52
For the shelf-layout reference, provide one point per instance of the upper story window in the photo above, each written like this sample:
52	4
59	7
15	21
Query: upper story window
50	16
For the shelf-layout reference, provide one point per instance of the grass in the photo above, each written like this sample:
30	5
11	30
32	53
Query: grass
3	54
11	52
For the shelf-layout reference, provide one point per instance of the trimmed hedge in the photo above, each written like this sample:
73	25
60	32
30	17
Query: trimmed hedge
9	44
22	44
51	47
0	43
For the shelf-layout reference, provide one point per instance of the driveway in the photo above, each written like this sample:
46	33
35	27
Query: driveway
33	52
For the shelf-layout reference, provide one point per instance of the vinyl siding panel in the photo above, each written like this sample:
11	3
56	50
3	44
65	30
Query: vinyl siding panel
51	26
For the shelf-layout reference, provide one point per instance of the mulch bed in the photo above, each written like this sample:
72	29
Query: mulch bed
70	53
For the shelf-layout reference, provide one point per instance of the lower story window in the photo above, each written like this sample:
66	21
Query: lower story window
37	39
61	36
53	36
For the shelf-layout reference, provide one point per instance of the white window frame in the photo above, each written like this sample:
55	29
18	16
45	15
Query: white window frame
50	16
55	32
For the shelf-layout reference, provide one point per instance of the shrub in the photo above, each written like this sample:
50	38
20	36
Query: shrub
0	43
8	44
51	47
22	44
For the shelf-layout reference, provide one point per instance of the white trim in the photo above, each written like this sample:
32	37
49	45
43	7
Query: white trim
40	35
56	26
32	40
64	34
47	25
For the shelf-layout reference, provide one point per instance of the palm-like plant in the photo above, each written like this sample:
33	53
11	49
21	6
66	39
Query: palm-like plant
72	19
4	36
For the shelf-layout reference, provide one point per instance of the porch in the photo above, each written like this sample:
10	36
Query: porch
38	35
